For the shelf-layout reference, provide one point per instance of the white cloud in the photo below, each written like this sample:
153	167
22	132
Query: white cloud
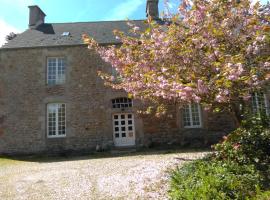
5	30
18	6
123	10
18	3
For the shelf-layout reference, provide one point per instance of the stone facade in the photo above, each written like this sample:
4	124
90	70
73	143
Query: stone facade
90	116
24	96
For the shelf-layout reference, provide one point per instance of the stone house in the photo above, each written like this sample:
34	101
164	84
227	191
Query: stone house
52	100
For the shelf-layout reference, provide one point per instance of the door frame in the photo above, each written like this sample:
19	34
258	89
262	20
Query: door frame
126	125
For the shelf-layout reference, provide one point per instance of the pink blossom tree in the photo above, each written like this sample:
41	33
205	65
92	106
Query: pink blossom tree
211	52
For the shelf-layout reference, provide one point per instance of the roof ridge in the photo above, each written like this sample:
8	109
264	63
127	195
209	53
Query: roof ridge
96	21
51	34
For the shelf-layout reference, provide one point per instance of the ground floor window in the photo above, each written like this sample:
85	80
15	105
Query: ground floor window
259	103
56	120
192	116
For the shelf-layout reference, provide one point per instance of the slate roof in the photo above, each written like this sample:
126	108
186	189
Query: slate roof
47	35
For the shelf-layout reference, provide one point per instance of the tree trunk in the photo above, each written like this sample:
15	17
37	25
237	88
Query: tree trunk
236	114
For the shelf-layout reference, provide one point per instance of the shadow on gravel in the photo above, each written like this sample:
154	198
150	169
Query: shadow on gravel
73	156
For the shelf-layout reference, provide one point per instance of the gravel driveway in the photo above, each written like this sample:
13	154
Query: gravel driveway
129	177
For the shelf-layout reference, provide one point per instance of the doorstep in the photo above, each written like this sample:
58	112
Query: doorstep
123	150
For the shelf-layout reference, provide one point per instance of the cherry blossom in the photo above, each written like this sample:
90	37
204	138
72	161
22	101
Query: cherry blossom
211	52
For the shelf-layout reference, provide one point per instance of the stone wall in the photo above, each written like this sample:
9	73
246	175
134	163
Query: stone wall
169	129
24	96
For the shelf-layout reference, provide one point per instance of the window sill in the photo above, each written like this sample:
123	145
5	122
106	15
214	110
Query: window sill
57	136
192	127
55	85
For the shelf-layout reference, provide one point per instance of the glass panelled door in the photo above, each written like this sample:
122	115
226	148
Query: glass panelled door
123	129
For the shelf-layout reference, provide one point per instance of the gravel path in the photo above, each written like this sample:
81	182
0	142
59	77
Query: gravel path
128	177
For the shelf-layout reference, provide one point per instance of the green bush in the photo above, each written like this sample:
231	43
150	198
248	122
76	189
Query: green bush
204	180
249	144
262	196
239	168
246	146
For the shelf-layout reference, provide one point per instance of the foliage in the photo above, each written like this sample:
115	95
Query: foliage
11	36
238	169
247	145
262	196
204	179
211	52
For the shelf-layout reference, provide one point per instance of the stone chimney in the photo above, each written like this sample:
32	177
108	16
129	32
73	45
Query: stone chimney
36	17
152	9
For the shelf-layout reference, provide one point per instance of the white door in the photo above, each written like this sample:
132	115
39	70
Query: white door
123	129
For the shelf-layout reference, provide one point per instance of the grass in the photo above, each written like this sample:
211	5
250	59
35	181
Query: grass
7	162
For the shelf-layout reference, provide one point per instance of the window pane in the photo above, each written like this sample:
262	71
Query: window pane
121	102
61	119
259	102
51	119
61	70
56	119
186	116
195	115
191	115
56	71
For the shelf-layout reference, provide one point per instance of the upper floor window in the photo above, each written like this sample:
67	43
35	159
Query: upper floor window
121	102
117	77
56	71
56	120
192	116
259	103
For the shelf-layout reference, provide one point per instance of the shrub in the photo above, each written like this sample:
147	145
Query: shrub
246	146
239	169
249	144
262	196
203	179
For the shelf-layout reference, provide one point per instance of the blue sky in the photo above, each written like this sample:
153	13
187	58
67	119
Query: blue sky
14	13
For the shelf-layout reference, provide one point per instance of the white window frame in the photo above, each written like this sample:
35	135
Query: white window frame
257	106
57	135
58	80
191	117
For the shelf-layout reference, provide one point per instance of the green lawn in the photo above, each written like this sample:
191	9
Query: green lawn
7	162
